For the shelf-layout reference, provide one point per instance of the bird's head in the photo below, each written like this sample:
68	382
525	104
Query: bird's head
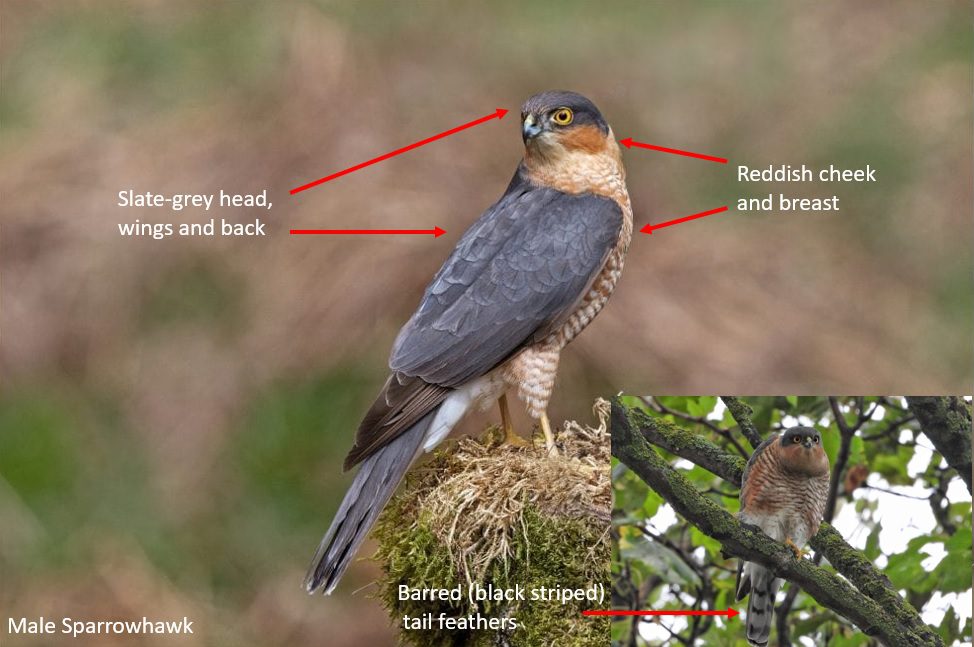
569	146
801	451
557	121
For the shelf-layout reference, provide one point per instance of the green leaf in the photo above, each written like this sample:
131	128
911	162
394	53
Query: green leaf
763	415
960	540
733	505
660	559
955	572
651	504
830	443
700	407
948	629
904	569
711	545
872	543
677	403
856	451
853	640
720	602
633	402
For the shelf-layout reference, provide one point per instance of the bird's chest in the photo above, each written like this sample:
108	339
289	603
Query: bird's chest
533	370
601	289
789	508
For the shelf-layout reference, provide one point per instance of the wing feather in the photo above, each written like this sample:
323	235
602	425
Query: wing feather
516	272
520	268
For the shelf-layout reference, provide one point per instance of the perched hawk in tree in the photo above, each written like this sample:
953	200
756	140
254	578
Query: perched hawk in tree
784	491
522	282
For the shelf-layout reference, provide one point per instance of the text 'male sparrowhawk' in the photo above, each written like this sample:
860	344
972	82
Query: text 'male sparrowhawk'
530	274
784	491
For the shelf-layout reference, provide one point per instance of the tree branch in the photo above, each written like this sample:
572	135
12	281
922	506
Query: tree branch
874	607
741	413
656	405
946	421
692	447
842	458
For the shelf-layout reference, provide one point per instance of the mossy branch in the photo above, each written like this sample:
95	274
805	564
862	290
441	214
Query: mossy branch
741	412
946	421
873	606
692	447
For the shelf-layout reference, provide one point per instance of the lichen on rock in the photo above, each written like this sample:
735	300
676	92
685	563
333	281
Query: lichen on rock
505	516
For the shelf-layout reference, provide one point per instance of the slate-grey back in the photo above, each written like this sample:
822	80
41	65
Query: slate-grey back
513	275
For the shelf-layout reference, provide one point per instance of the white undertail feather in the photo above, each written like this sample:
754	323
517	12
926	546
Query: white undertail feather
481	392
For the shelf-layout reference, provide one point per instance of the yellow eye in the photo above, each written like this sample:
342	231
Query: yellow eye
562	116
797	440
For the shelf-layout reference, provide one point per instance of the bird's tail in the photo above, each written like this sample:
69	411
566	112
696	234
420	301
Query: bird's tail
760	604
376	480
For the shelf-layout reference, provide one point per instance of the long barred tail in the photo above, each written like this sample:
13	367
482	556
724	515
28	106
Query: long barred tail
376	480
760	604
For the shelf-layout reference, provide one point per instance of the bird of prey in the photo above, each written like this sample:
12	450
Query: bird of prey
530	274
784	491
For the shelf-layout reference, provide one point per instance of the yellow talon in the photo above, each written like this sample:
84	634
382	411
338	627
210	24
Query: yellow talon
549	437
510	438
799	553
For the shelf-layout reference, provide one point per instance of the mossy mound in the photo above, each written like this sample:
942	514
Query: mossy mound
504	516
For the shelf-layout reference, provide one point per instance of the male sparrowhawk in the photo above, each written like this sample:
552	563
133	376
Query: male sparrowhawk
530	274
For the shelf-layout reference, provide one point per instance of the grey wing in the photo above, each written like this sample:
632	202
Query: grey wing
521	267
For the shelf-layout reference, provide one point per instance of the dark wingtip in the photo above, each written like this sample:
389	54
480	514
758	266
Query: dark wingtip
311	583
314	578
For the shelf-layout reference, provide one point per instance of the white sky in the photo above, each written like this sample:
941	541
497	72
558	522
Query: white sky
902	519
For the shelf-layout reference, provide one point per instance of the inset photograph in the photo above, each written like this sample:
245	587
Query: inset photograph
794	520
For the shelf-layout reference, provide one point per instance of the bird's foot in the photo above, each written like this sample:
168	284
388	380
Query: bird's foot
549	437
512	439
799	553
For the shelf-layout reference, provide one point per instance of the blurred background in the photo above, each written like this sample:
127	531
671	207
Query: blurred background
174	413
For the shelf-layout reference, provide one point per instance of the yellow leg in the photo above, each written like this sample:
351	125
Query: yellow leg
799	553
549	438
510	438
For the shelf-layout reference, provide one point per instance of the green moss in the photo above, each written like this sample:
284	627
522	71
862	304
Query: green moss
551	552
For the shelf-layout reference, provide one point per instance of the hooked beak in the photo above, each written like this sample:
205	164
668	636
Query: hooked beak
530	128
807	443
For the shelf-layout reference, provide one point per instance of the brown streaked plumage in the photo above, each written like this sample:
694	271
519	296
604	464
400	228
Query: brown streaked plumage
784	491
522	282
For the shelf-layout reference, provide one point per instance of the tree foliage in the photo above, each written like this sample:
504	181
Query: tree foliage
880	452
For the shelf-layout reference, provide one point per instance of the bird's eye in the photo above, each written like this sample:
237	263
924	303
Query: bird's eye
562	116
797	439
815	439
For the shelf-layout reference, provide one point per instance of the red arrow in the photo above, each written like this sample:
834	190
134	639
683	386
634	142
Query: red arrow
648	229
436	231
629	143
730	613
498	114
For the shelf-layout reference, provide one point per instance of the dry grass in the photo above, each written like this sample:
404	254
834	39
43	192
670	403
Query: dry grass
475	497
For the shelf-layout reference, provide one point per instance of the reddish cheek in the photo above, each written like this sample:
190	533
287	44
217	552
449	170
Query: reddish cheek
586	138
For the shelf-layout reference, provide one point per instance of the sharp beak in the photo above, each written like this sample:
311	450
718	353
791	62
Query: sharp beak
807	443
530	128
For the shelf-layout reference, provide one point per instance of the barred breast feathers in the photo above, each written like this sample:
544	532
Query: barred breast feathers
592	165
